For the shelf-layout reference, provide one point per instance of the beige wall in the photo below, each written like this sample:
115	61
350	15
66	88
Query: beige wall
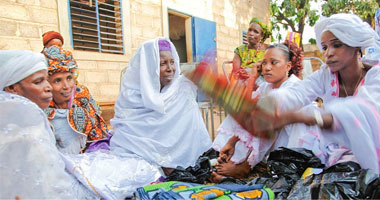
23	22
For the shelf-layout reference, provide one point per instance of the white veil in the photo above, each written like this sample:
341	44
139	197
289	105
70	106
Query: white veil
163	127
31	166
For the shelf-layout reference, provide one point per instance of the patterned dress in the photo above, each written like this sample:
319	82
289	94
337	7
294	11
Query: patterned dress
249	56
84	115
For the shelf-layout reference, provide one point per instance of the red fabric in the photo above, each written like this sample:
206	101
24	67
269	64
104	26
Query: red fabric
46	37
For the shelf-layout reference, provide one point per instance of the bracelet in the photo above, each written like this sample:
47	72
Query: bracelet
318	118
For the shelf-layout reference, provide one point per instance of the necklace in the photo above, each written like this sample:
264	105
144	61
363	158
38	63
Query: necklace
357	84
254	54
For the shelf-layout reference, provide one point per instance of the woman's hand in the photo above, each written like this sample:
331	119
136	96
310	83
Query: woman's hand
228	150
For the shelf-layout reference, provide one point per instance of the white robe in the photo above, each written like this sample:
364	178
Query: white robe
164	127
31	167
356	125
253	148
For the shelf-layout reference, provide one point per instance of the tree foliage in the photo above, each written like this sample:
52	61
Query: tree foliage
366	9
293	14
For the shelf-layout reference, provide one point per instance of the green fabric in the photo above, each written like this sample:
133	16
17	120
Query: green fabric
248	56
164	185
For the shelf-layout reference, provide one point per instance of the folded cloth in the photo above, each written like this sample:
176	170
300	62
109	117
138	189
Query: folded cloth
181	190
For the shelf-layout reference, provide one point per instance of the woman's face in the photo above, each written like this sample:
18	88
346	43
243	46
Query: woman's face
254	34
337	54
55	41
63	84
34	87
167	68
275	67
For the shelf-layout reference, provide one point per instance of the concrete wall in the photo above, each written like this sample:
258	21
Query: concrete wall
23	22
313	51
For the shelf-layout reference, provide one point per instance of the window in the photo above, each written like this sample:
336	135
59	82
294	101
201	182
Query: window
244	37
96	25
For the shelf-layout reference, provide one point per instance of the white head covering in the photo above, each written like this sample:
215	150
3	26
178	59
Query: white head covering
348	28
143	73
165	127
15	65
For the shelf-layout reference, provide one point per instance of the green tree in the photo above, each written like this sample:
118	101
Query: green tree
293	14
366	9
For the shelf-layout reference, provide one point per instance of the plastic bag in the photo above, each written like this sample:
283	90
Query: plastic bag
286	167
340	181
199	173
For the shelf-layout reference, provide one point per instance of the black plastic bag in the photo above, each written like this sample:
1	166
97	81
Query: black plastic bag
286	167
199	173
340	181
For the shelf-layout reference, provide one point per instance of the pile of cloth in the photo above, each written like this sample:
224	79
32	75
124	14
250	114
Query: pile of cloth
287	174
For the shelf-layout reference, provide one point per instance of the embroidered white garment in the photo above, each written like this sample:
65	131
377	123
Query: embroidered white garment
251	147
15	65
112	176
164	127
31	166
356	118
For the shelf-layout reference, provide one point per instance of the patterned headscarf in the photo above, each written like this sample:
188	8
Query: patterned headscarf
60	60
266	29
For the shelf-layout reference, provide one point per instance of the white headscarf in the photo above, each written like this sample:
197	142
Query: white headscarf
164	127
143	74
348	28
15	65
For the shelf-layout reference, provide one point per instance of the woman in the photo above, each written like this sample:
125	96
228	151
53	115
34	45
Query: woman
34	168
349	126
239	151
248	55
73	112
156	116
52	38
31	166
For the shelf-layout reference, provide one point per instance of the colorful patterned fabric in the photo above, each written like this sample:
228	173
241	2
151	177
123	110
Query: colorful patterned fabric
60	60
249	56
84	115
182	190
294	37
266	29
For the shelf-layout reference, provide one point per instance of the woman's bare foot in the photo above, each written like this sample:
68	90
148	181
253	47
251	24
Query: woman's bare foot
215	177
233	170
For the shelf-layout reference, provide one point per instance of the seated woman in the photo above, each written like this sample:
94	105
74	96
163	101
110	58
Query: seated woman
239	151
156	115
73	112
31	164
349	125
34	166
249	55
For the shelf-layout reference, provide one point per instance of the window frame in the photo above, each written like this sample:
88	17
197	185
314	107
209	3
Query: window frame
99	39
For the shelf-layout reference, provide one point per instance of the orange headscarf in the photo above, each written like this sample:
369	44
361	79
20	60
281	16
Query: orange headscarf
46	37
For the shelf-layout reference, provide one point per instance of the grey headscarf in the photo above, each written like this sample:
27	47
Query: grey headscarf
15	65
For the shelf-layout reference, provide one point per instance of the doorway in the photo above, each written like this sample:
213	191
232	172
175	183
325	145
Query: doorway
180	35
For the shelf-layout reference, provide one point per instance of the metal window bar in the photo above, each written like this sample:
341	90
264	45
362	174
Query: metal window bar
104	19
